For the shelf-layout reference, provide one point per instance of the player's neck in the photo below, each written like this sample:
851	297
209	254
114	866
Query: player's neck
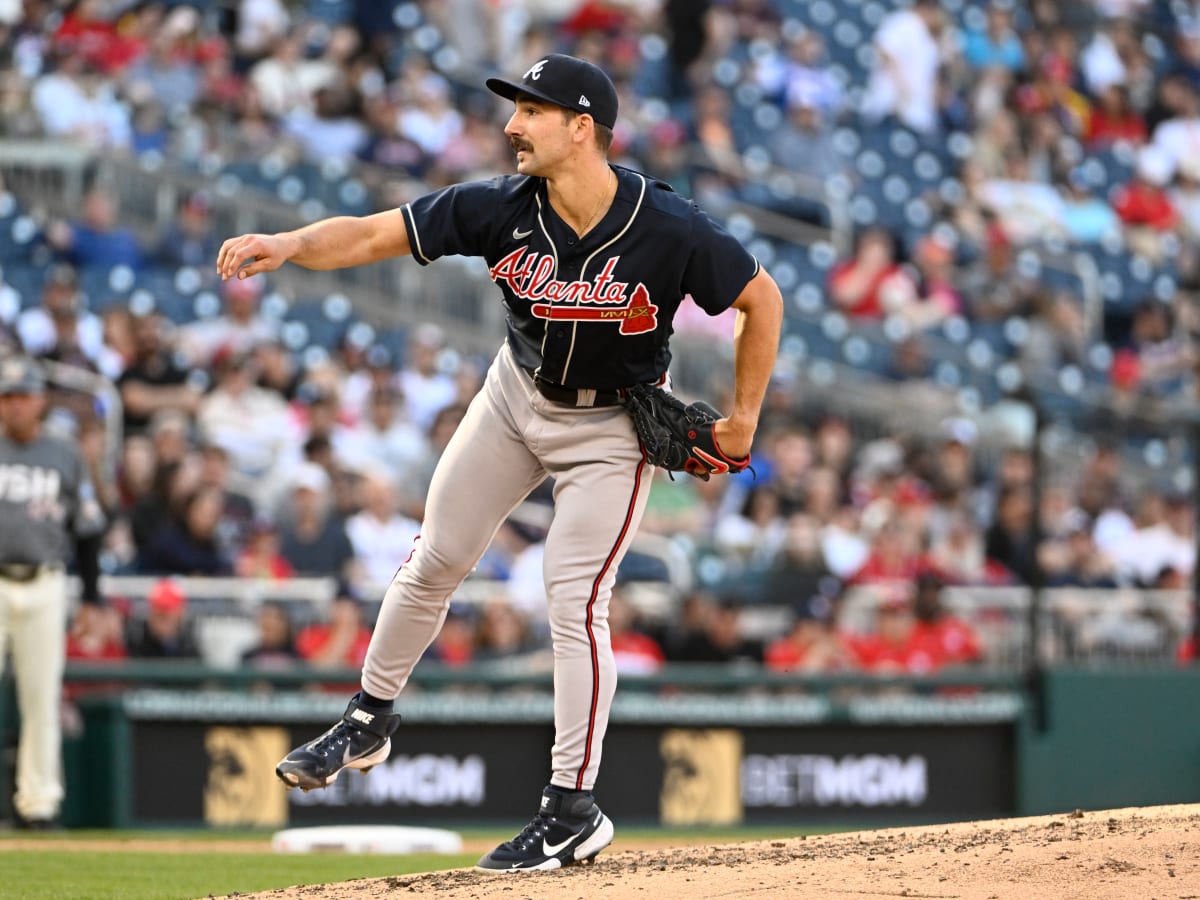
22	433
582	196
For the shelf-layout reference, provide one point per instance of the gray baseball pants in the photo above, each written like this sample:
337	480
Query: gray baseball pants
510	440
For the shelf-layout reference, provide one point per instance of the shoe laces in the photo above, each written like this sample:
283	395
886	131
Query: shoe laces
533	832
334	738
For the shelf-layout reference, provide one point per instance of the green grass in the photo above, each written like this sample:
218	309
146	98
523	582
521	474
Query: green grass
148	874
91	875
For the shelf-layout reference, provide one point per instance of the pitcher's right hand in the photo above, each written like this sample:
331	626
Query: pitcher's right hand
250	254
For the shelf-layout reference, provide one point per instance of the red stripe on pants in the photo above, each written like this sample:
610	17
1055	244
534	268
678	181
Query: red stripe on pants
587	747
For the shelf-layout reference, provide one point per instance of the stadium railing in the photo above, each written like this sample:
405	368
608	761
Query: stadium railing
1112	627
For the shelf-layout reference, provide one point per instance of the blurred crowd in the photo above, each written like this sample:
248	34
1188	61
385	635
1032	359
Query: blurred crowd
240	458
1078	120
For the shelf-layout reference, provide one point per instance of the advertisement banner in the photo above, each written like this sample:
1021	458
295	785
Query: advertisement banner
439	775
223	775
479	773
871	774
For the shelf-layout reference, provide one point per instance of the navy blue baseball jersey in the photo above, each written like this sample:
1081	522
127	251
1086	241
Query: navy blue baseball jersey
594	312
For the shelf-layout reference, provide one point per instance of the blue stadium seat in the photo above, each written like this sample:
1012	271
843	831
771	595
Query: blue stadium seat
331	12
808	270
1060	279
1117	162
1111	268
818	344
865	354
26	279
395	341
876	202
18	236
320	329
95	283
257	175
10	209
1098	367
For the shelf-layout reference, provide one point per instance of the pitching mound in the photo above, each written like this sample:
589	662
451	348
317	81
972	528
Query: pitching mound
1152	852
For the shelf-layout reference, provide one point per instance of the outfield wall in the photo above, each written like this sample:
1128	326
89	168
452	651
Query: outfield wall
1113	739
183	758
171	756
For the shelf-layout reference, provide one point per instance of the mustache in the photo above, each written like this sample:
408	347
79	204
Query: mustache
517	144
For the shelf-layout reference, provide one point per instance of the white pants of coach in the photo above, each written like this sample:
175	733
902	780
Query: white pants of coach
33	618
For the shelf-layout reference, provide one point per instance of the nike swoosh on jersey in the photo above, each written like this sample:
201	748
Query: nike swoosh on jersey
519	235
554	849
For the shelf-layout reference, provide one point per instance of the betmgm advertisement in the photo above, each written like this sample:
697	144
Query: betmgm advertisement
484	773
761	775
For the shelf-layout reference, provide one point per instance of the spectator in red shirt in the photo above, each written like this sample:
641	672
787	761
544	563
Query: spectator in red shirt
1143	205
953	640
812	644
595	17
1144	201
898	644
96	635
895	554
454	645
90	32
635	652
872	284
261	557
1114	119
342	641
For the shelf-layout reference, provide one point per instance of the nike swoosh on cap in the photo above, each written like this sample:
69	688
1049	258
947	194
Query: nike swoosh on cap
518	234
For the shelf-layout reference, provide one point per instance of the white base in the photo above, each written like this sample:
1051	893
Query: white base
366	839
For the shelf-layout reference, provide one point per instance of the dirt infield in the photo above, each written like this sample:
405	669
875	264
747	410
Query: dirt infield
1151	853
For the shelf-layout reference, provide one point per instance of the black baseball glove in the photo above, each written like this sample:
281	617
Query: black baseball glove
676	436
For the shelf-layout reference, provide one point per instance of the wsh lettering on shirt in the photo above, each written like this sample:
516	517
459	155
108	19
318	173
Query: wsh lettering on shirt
36	486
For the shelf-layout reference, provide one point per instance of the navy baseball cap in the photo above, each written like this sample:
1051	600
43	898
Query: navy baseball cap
21	375
565	81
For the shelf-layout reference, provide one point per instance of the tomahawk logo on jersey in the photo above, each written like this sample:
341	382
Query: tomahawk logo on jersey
530	276
555	284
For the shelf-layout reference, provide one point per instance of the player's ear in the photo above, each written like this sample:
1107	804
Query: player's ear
585	127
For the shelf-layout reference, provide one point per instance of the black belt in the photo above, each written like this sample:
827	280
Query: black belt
579	397
22	572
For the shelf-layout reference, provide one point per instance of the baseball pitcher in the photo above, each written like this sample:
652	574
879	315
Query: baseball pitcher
592	261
